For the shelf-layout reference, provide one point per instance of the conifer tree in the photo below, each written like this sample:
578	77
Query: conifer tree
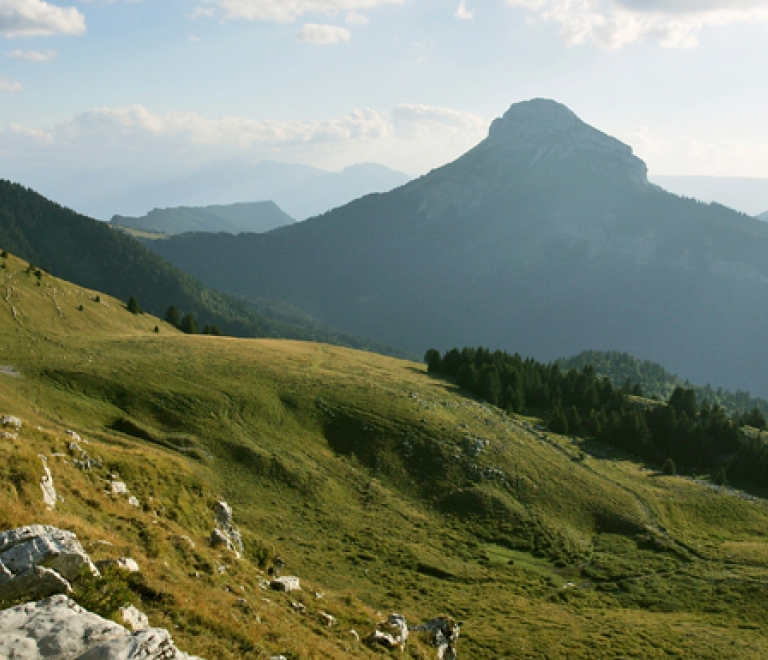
172	316
189	324
133	305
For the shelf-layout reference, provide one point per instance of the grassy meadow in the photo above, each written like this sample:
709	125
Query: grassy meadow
384	489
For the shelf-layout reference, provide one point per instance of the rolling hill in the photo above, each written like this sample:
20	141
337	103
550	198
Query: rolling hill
96	256
383	488
232	219
547	239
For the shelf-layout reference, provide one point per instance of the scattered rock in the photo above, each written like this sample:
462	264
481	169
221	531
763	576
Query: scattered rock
220	540
40	560
46	485
327	619
355	634
58	628
392	633
444	632
298	607
134	501
11	421
8	435
128	564
133	618
117	488
226	529
286	583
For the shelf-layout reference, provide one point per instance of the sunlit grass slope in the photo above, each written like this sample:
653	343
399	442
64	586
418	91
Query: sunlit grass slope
382	488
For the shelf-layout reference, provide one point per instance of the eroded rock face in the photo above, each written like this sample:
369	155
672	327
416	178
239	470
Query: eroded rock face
58	628
40	560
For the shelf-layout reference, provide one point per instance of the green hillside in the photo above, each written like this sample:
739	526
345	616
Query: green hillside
93	255
385	490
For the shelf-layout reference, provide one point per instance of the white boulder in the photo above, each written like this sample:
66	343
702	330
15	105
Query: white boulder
46	485
40	560
286	583
11	421
133	618
57	628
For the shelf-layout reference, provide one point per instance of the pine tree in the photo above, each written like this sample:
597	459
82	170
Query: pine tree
189	324
557	421
172	316
133	305
721	478
434	361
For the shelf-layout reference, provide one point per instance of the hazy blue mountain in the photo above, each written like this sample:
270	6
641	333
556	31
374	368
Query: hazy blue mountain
746	194
763	216
546	239
231	218
299	190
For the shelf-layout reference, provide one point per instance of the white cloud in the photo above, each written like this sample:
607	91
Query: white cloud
463	13
33	55
7	85
409	136
353	18
32	133
290	10
23	18
323	35
616	23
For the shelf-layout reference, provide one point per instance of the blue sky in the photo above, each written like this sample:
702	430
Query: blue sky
117	93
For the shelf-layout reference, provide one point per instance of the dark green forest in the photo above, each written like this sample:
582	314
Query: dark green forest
657	382
695	435
93	255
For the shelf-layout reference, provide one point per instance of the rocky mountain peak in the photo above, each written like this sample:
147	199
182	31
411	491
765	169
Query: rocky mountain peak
541	131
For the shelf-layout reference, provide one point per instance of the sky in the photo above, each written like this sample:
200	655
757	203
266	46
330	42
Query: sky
112	95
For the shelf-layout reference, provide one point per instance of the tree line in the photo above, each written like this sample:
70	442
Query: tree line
697	435
187	323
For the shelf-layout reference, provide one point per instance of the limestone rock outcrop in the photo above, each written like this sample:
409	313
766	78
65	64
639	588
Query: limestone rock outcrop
391	634
40	560
226	533
58	628
46	485
444	633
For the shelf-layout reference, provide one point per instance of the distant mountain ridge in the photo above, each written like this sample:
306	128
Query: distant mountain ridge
91	254
546	239
230	218
763	216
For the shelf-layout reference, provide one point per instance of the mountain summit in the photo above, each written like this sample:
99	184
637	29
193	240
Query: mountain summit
546	132
546	239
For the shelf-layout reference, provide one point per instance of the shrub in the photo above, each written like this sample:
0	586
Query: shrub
669	467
